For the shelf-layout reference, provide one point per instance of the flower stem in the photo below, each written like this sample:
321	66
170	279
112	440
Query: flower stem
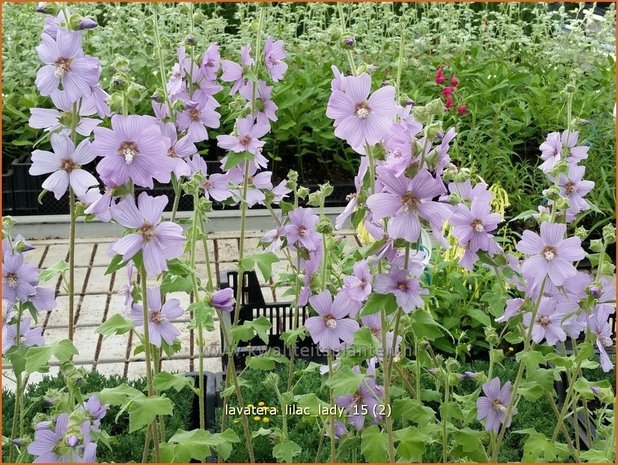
18	388
445	422
331	431
387	388
520	373
71	290
200	330
147	354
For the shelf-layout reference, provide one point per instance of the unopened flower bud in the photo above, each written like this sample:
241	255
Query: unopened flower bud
609	234
302	192
491	335
72	440
454	81
468	375
18	442
324	226
552	193
462	109
349	42
335	34
581	232
118	82
190	40
596	245
86	23
48	8
594	291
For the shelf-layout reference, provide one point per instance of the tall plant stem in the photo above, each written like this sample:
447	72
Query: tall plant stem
231	373
18	386
387	386
200	330
147	354
343	27
331	418
520	372
71	290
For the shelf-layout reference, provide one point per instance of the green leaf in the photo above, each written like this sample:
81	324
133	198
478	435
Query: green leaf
57	268
117	324
469	439
412	443
164	381
203	316
376	302
173	283
479	315
411	409
286	450
198	444
264	262
292	335
249	329
374	445
310	401
38	357
118	395
267	360
116	264
344	381
424	325
532	359
143	411
65	350
234	159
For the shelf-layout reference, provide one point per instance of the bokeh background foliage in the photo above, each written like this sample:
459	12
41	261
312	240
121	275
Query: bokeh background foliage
513	61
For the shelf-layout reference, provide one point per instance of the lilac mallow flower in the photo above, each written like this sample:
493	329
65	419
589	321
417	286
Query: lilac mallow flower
363	402
359	118
179	149
158	241
59	120
574	188
198	115
62	442
159	317
602	332
331	326
65	165
134	149
407	290
550	254
547	323
18	278
264	106
552	150
257	183
473	226
246	139
358	286
223	300
301	231
215	186
233	72
273	58
27	336
493	406
65	66
407	200
95	411
211	62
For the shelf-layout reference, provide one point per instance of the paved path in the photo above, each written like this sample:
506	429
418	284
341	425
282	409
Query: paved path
97	298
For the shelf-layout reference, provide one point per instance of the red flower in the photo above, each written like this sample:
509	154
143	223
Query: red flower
454	81
449	102
461	109
447	91
440	76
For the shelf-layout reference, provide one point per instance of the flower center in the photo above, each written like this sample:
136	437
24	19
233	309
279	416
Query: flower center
244	140
63	66
11	280
207	184
330	322
362	110
302	231
195	114
543	321
549	252
67	165
397	153
498	406
402	285
570	187
148	231
477	225
128	150
605	340
157	317
171	152
410	201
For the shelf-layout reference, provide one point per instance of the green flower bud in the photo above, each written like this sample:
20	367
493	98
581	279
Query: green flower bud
324	226
335	34
491	336
581	232
596	245
302	192
609	234
552	193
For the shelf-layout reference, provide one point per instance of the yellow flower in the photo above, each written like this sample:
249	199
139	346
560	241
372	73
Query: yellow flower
266	419
249	405
257	418
260	404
